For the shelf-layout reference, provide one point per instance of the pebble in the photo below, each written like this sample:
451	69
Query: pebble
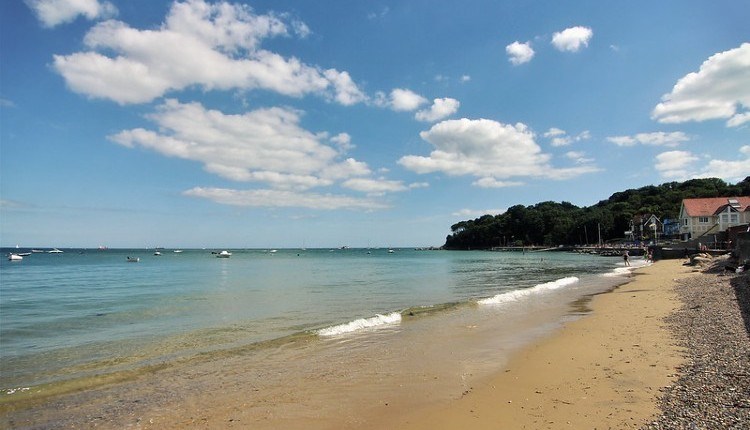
713	326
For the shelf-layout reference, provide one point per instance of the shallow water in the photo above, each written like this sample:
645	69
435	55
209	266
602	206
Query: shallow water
86	318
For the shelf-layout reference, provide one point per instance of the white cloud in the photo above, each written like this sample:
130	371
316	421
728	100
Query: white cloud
554	132
465	78
579	157
572	39
55	12
213	46
494	183
374	187
658	138
719	90
343	141
489	150
675	164
739	119
266	145
560	137
441	108
283	199
405	100
474	213
683	165
519	53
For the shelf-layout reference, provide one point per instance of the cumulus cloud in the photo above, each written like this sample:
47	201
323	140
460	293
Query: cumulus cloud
343	141
265	145
720	89
52	13
405	100
572	39
579	157
519	53
487	149
441	108
494	183
675	164
270	198
374	187
475	213
683	165
729	170
559	137
658	138
213	46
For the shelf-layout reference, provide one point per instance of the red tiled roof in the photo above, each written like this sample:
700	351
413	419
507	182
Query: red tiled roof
710	206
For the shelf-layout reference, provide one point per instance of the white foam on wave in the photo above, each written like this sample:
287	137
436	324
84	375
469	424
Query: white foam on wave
626	270
361	324
516	295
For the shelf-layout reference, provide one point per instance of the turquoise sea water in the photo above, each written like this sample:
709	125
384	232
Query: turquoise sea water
83	313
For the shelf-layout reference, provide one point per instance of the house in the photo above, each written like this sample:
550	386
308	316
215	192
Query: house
699	217
646	226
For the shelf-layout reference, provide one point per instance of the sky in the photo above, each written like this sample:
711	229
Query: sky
270	124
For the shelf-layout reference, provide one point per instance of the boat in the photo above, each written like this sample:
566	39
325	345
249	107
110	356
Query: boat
224	254
37	251
133	259
14	257
55	251
157	253
177	251
23	254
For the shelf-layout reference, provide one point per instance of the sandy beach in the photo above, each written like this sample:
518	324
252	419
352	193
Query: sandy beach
603	371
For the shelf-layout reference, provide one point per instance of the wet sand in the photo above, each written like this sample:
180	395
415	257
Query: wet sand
606	370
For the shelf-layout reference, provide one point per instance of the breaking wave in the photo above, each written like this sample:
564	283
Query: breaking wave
515	295
361	324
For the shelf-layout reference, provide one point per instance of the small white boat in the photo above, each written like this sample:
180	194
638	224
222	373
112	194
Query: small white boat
224	254
157	253
55	251
14	257
133	259
177	251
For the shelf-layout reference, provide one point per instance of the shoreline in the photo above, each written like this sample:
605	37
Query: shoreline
606	370
605	366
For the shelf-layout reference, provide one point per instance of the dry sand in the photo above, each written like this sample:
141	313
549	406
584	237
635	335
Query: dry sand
604	371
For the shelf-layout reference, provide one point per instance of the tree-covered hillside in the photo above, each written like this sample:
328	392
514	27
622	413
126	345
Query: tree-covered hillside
552	223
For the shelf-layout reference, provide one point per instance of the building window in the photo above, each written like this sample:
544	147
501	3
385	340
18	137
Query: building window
703	220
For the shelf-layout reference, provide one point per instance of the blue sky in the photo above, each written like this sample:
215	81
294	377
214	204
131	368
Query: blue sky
262	124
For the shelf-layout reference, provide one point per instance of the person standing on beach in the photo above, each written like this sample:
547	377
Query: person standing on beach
626	257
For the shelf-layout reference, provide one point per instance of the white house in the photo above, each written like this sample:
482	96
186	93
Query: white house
712	215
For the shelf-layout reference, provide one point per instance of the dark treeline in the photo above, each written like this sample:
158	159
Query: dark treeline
552	223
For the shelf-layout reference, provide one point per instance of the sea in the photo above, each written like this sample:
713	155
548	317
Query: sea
83	319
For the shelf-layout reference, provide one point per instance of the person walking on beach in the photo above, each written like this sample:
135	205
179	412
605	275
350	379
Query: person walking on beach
626	257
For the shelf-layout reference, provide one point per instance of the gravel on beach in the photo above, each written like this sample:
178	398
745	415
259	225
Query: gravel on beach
713	326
